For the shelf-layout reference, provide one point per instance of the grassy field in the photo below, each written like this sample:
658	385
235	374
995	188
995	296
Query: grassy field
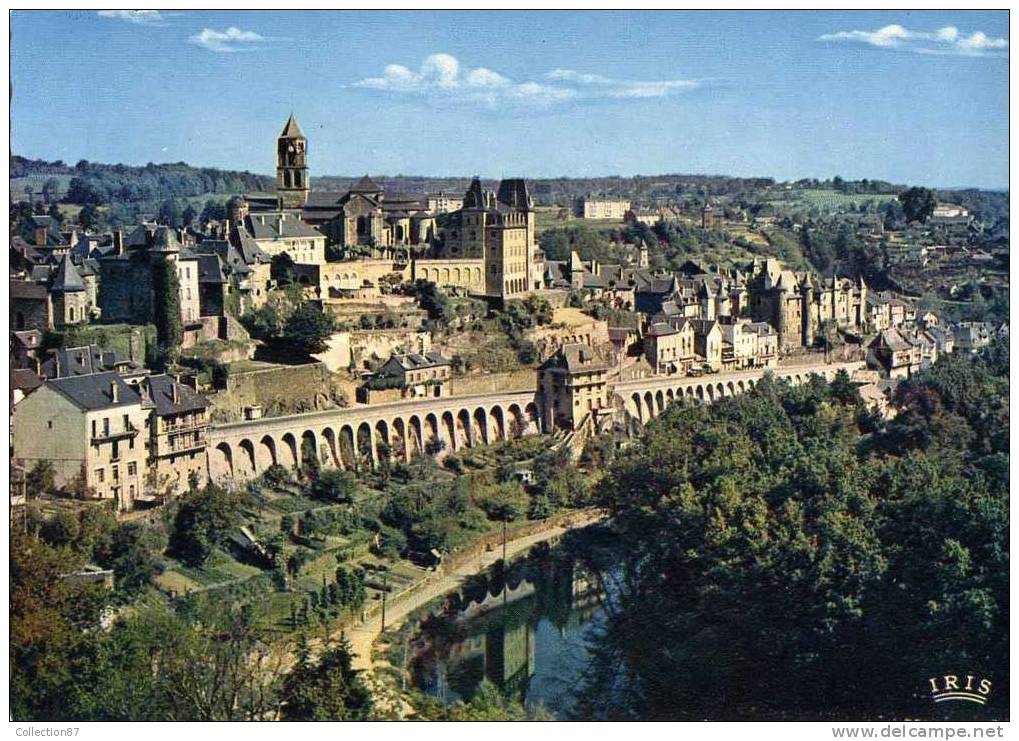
549	220
829	200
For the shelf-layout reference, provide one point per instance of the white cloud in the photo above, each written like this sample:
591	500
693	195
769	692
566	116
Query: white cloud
230	40
441	75
141	17
947	41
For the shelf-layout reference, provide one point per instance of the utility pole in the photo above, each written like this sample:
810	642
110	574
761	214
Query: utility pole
385	590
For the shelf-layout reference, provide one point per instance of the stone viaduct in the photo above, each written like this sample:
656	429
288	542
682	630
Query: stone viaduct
361	436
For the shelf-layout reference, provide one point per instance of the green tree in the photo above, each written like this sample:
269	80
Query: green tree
167	313
203	521
41	479
308	329
918	203
327	688
89	217
334	485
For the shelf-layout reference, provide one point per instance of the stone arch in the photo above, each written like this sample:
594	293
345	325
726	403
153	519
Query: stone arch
750	383
720	390
266	453
309	449
223	460
348	453
465	438
456	275
711	392
445	275
689	391
400	443
498	424
649	401
700	392
481	426
448	428
731	388
329	450
532	418
417	439
245	463
477	276
638	407
659	401
289	452
365	444
517	425
740	386
382	441
670	396
432	431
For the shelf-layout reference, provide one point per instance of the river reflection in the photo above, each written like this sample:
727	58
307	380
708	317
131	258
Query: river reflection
526	634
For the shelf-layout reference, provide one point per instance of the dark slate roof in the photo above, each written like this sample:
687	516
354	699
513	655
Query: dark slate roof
574	357
210	269
165	240
893	340
67	278
661	329
25	379
416	361
28	338
79	361
366	185
93	391
271	229
41	273
26	289
161	390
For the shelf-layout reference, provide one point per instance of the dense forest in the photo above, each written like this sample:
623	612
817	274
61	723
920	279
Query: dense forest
788	555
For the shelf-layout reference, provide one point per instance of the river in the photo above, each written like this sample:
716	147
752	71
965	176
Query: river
527	634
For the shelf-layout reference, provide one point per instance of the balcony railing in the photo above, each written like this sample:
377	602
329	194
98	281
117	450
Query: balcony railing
102	436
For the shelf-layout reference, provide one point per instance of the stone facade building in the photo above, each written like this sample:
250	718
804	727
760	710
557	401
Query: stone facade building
127	293
91	428
572	384
800	305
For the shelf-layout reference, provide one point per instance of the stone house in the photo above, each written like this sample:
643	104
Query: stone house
572	384
91	427
669	347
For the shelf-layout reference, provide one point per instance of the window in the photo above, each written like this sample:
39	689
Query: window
127	423
49	425
116	473
100	475
93	427
132	469
106	426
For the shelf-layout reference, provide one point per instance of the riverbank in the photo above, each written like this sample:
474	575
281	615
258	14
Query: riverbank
450	577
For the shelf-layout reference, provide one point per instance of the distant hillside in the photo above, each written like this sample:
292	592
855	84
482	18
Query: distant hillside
99	184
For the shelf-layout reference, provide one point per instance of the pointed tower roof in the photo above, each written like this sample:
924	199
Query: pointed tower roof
67	278
291	130
366	185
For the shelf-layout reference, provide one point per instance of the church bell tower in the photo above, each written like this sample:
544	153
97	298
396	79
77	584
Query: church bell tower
292	166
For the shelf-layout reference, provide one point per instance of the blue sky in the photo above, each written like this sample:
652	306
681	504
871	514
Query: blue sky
906	96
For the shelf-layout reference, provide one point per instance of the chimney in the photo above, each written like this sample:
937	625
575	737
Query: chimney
175	385
114	391
118	242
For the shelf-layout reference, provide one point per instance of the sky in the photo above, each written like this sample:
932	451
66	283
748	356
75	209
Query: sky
912	97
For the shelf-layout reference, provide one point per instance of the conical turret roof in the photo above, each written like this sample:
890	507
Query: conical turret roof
67	278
